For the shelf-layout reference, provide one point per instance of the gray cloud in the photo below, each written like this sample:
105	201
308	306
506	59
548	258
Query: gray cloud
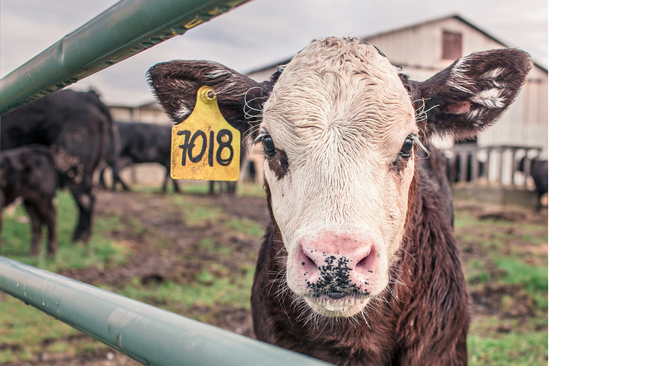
257	33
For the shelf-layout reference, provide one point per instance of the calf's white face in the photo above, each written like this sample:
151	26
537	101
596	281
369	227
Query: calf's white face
334	131
338	125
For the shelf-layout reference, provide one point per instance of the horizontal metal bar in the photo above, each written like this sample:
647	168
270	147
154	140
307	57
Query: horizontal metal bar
150	335
127	28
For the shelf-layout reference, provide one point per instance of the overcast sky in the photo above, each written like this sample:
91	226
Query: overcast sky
257	33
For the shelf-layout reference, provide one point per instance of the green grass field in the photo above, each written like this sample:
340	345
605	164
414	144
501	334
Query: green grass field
505	262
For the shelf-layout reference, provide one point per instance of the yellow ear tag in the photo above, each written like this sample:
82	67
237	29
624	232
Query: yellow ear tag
205	146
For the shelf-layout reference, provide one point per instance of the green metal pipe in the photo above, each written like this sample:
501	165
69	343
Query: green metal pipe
150	335
127	28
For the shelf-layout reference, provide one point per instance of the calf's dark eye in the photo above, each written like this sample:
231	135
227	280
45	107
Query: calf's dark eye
407	148
269	146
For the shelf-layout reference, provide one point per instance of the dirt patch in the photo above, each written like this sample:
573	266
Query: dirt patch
252	208
517	214
508	301
165	248
517	233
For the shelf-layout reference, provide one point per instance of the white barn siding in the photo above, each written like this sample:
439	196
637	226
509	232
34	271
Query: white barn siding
418	50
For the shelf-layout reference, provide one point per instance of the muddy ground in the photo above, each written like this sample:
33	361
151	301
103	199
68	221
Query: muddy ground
151	219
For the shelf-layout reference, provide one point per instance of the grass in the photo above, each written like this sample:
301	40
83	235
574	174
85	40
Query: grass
245	226
208	290
27	327
99	252
499	253
533	278
244	189
506	254
508	349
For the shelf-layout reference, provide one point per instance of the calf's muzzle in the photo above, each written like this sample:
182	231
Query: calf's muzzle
335	265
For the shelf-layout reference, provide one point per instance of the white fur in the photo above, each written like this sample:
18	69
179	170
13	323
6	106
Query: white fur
216	74
490	98
183	112
493	74
458	79
341	114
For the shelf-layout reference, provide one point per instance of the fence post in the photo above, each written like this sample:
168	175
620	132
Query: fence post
145	333
125	29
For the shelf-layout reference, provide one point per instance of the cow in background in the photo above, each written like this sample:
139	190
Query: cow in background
359	265
141	143
28	172
74	126
539	173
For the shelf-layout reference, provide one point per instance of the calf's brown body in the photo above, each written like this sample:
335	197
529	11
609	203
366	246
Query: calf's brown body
424	323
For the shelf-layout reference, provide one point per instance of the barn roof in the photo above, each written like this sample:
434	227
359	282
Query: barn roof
412	26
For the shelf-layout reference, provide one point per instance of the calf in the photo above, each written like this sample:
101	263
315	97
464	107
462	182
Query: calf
28	172
142	143
539	172
74	125
359	265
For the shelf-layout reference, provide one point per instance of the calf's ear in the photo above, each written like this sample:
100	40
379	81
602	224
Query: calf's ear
176	83
471	93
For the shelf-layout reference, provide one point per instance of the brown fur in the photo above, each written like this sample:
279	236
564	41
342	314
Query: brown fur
279	164
427	325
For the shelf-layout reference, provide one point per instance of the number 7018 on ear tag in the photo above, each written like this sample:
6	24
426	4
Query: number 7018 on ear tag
205	146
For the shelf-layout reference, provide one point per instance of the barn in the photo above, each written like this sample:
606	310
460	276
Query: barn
426	48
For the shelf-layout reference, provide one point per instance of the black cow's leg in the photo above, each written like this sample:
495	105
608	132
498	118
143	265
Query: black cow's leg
37	223
85	199
102	180
117	178
1	209
164	185
49	215
211	187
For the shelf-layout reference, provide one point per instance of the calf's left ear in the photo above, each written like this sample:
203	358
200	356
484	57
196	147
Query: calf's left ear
471	93
176	83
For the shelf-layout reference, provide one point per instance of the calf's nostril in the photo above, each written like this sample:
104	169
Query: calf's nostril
336	295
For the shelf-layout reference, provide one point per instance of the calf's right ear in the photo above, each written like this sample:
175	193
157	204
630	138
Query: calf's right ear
176	83
470	94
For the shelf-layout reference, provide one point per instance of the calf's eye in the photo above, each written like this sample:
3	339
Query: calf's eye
407	148
269	146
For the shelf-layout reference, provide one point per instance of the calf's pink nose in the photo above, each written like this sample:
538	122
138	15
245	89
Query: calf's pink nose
337	264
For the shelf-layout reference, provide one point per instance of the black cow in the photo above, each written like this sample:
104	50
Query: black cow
539	172
74	125
252	171
228	187
142	143
112	159
28	172
454	168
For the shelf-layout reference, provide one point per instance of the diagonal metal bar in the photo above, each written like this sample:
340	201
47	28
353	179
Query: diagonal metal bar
125	29
150	335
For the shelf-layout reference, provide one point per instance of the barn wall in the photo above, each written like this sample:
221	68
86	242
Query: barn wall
418	51
148	113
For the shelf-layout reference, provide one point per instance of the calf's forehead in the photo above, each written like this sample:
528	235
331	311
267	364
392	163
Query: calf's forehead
339	87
